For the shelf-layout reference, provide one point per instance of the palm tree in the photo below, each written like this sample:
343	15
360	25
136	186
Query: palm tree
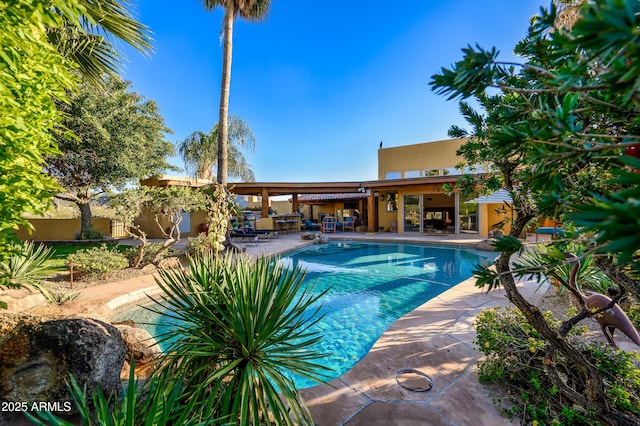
91	42
200	151
250	10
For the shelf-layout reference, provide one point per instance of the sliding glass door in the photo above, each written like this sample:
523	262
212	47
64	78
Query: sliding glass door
412	216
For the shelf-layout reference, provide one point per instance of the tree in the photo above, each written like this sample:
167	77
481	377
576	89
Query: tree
32	75
168	202
171	202
199	151
119	138
555	131
128	205
251	10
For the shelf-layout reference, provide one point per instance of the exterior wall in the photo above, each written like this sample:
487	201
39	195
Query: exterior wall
386	218
418	157
493	214
61	229
281	206
148	223
197	219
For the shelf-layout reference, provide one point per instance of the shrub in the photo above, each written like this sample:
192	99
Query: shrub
515	355
98	260
150	250
92	235
199	245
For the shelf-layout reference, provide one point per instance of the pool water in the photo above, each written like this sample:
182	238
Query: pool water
369	286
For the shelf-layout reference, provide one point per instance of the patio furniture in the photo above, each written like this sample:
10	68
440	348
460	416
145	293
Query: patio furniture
329	224
348	224
310	226
244	235
549	230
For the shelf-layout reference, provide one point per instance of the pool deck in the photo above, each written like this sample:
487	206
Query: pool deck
436	339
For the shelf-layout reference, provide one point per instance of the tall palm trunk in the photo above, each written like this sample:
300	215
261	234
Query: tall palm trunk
223	120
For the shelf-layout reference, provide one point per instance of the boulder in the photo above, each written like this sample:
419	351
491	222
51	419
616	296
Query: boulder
140	344
22	298
37	358
486	245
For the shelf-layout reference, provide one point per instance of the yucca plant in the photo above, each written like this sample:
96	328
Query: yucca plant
151	404
241	330
27	265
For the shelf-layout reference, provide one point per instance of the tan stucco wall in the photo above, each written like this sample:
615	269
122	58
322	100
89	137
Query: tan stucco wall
148	223
61	229
420	156
494	217
281	206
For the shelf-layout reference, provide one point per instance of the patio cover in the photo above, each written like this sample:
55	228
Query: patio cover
498	197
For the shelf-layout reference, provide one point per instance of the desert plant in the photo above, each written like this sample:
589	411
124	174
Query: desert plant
133	254
199	245
517	356
61	297
98	260
27	265
149	404
241	330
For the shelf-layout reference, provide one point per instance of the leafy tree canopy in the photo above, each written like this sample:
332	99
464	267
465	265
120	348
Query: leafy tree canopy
119	139
199	151
560	123
32	75
562	131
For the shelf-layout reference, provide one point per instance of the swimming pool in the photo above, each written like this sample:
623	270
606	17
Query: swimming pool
369	286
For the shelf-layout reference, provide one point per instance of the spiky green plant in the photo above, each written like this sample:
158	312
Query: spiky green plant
27	265
241	328
153	403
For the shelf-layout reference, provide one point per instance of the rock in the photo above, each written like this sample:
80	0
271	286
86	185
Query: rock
485	245
169	263
36	359
140	344
22	299
149	269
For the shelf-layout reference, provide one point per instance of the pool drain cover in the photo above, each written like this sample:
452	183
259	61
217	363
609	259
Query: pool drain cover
414	380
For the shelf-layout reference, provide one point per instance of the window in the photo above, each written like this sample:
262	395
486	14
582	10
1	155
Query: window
392	175
432	172
412	174
392	202
451	171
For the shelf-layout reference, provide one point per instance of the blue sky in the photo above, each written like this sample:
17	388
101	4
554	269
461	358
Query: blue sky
319	83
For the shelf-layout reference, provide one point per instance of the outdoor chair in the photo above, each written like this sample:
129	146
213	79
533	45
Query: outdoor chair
348	224
329	224
310	226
